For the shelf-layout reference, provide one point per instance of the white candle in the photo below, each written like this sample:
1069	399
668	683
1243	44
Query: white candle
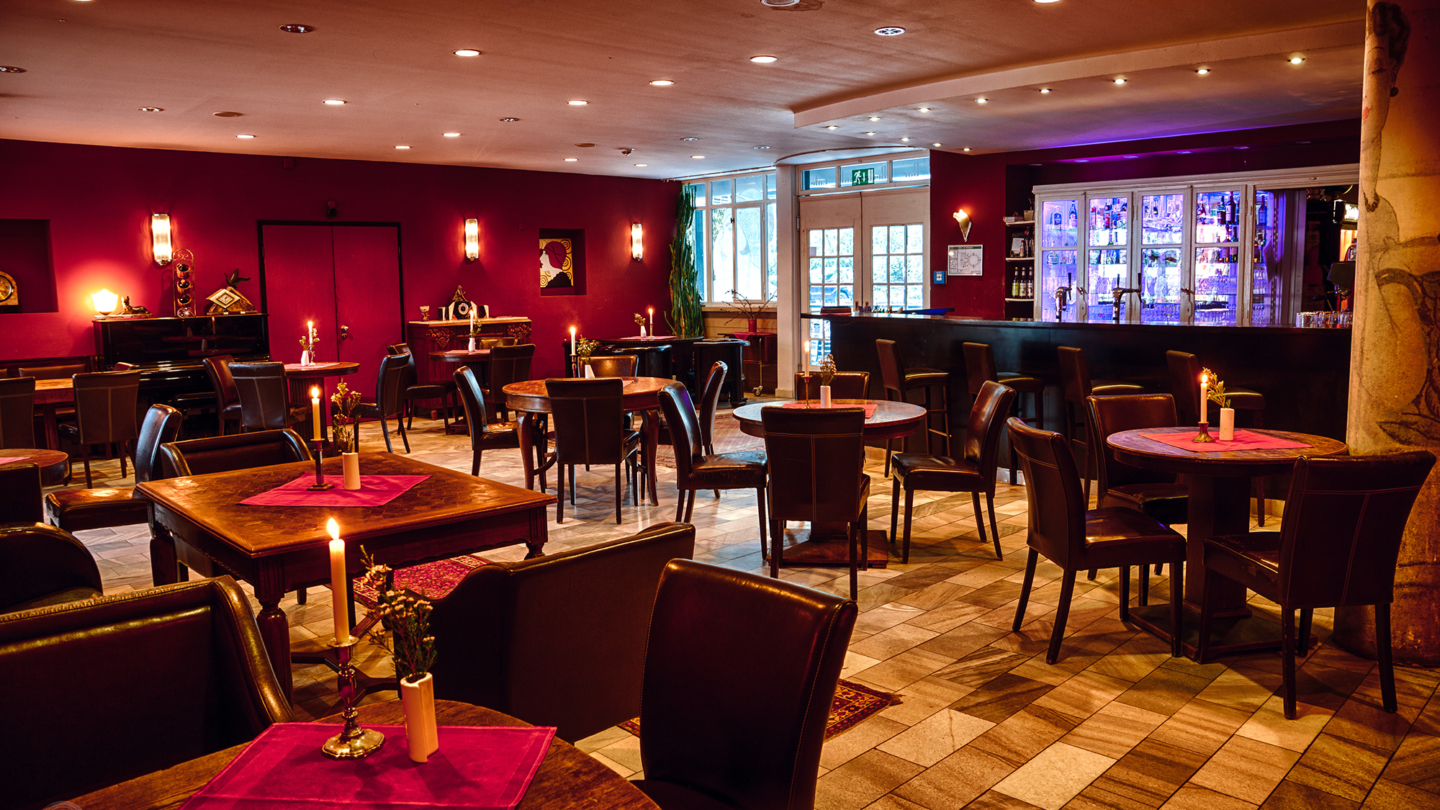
1204	397
315	411
472	318
805	357
651	311
572	344
337	583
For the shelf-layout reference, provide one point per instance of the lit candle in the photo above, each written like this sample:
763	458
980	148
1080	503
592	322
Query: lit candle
315	410
805	357
337	583
1204	397
472	318
651	311
572	344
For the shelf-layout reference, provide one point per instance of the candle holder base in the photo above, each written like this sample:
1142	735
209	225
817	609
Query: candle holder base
320	484
352	742
1203	437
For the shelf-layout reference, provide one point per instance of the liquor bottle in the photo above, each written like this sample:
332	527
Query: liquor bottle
1015	285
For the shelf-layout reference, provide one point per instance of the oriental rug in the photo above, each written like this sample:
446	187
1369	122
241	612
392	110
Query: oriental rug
432	580
728	439
853	703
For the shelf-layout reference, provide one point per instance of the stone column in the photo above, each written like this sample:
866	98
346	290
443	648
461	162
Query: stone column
1395	355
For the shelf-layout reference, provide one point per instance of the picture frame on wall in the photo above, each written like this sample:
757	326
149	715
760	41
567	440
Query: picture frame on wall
965	260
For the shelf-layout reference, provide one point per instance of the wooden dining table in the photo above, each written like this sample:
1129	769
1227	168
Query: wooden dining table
50	396
278	549
567	777
53	464
1219	504
301	378
479	360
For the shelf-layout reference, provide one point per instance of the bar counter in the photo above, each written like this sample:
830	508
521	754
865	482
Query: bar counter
1303	373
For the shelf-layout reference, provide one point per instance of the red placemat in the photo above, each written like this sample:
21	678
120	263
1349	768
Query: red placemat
375	490
1244	440
476	766
11	460
814	405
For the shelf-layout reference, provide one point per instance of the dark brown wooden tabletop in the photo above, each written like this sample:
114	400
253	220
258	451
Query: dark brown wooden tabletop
335	369
1133	448
891	420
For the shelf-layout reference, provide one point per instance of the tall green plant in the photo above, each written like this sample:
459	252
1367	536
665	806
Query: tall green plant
686	318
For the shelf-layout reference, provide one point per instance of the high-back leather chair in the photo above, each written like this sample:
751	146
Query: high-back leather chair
845	385
558	640
613	365
52	372
105	405
79	509
17	412
264	401
710	402
1184	369
587	419
817	462
899	381
980	369
1337	546
41	566
227	396
483	435
235	452
185	675
1157	494
411	389
973	472
508	364
715	732
695	469
1076	385
21	502
389	388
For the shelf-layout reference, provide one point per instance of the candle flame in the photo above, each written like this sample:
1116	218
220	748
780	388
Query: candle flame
314	392
333	528
1202	379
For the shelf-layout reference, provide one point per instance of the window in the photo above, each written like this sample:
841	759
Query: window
734	232
897	266
901	172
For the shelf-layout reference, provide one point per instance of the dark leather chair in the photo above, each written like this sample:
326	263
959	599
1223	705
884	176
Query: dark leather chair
105	404
483	435
227	396
558	640
17	412
899	381
706	353
235	452
508	364
1076	539
587	418
1337	546
710	403
973	472
21	485
264	401
980	369
845	385
817	462
185	675
1076	384
613	365
734	716
1185	371
41	566
696	469
389	388
76	510
411	389
62	372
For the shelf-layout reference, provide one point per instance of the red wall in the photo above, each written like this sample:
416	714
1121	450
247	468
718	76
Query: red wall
989	187
99	200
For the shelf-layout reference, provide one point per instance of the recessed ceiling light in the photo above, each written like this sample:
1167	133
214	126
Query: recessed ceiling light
1202	71
1130	157
832	126
11	69
452	134
661	83
1120	81
924	109
297	28
401	146
577	102
1296	60
466	52
869	133
874	118
759	147
763	59
905	140
334	102
152	109
227	114
1184	152
641	165
585	145
571	160
245	137
508	120
1037	164
1047	1
982	100
962	149
1242	147
1045	91
890	31
1302	142
697	157
691	138
1082	160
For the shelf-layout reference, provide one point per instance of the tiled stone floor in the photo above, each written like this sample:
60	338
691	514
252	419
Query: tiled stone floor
985	723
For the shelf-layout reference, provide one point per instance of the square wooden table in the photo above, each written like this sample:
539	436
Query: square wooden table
280	548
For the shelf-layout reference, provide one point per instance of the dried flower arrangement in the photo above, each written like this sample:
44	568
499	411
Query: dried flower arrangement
404	628
347	434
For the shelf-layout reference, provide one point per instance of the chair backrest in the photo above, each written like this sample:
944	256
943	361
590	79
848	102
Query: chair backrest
240	451
684	423
558	640
395	370
41	565
979	365
264	403
17	412
845	385
1111	415
1052	484
710	399
891	371
21	503
105	403
217	368
613	365
1344	519
185	675
160	426
1074	374
986	424
1185	384
816	460
509	364
472	396
738	711
586	415
412	375
52	372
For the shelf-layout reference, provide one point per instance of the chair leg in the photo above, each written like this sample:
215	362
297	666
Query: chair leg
994	527
572	484
1144	572
475	463
1382	652
1306	615
85	454
1062	612
560	496
385	429
1177	607
980	519
301	596
889	451
1287	657
909	509
854	563
408	411
777	537
1260	500
401	427
1030	562
1039	410
680	506
619	493
894	510
1207	611
1090	575
689	506
120	450
760	501
1124	593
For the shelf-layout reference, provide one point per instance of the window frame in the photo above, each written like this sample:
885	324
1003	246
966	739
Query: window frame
702	231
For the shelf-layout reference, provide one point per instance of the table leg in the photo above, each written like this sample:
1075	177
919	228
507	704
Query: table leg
539	533
1218	506
650	429
52	425
164	567
274	627
525	425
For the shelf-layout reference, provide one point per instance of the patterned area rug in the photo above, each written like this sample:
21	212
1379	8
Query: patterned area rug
728	439
432	580
853	703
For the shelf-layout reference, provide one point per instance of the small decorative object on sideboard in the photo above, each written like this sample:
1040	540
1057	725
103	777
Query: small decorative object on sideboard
307	345
751	309
9	293
404	630
133	311
183	267
229	300
640	321
583	349
425	313
347	433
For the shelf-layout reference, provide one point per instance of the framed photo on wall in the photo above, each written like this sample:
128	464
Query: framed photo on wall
965	260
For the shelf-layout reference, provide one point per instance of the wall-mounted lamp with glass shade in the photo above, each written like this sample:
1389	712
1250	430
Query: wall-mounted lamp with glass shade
637	241
963	220
160	238
105	302
472	239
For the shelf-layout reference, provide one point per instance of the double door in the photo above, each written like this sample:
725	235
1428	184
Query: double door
344	278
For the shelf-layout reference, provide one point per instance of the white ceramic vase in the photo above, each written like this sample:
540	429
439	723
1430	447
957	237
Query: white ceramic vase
418	699
589	372
642	331
824	396
304	358
351	464
1227	424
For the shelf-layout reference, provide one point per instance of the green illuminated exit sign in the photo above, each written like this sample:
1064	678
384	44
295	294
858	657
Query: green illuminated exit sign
862	177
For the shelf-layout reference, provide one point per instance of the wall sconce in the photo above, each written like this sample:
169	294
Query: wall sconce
637	241
105	302
160	238
963	220
472	239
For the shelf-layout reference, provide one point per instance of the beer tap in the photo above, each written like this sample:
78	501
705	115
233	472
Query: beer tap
1062	297
1119	293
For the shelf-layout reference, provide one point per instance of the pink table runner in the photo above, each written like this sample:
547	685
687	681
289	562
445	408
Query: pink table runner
814	405
1244	440
476	767
11	460
375	490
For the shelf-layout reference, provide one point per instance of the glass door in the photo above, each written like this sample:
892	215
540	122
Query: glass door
897	266
1059	243
1217	257
1162	234
831	281
1266	279
1108	268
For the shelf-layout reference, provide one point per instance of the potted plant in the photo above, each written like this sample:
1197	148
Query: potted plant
347	432
404	631
583	349
750	309
640	321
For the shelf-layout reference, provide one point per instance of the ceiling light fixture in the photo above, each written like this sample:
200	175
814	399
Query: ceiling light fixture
764	59
661	83
641	165
466	52
874	118
869	133
1045	91
577	102
962	149
1297	60
11	69
152	109
982	100
1121	81
924	109
333	102
227	114
245	137
1130	157
905	140
297	28
1082	160
890	31
779	3
759	147
508	120
401	146
452	134
1047	1
571	160
832	126
1242	147
1202	71
690	138
1184	152
697	157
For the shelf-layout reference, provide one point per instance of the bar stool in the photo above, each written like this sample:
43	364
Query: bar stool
1185	385
900	381
980	369
1075	379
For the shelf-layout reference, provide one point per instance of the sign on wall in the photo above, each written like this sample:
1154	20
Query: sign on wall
965	260
862	177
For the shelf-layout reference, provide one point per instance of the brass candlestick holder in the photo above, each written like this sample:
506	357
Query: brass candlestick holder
1203	437
807	389
320	484
352	742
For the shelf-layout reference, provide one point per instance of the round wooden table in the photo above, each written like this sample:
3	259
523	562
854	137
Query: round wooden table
528	399
300	379
479	360
54	464
567	778
891	420
50	395
1219	483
